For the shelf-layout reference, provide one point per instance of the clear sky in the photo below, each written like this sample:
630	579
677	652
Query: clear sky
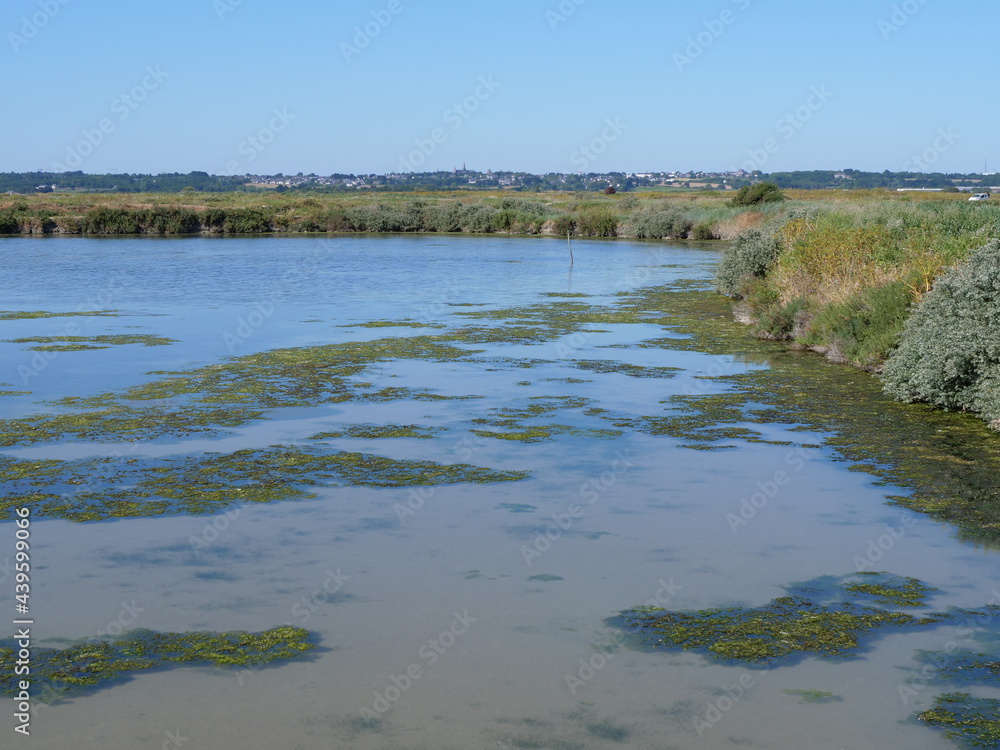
237	86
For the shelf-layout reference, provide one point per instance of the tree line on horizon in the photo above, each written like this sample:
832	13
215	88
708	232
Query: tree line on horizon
40	182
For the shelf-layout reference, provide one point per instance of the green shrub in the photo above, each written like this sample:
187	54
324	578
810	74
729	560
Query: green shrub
864	329
164	220
754	195
213	218
657	224
751	256
564	225
444	217
104	220
779	321
949	353
703	231
9	223
598	222
247	221
478	218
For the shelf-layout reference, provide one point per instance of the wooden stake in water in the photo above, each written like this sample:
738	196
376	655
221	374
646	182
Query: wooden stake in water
570	241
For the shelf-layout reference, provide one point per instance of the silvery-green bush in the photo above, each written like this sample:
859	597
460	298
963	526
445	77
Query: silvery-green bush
949	353
750	257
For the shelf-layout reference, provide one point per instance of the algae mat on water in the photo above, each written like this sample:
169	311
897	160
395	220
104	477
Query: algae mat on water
827	617
95	664
973	721
208	483
950	463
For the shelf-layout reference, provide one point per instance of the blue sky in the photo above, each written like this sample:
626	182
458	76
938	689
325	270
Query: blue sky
231	86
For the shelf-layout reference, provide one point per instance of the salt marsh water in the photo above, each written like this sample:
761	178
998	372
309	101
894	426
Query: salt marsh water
459	615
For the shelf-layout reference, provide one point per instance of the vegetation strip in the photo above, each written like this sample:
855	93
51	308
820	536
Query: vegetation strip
827	617
91	665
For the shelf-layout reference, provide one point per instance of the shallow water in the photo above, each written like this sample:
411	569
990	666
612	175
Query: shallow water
526	572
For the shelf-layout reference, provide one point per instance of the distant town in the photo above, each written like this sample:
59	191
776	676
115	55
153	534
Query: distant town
470	179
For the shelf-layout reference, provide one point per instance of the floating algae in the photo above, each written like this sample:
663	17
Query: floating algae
230	394
895	591
959	667
813	696
207	483
95	664
78	343
633	371
809	620
37	314
973	721
379	432
405	323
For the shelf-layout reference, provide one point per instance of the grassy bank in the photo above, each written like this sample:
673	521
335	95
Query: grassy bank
703	215
909	289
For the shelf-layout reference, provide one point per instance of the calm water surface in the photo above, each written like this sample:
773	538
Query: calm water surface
440	578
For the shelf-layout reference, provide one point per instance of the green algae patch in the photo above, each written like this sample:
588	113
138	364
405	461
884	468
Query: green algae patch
541	433
38	314
633	371
76	343
813	696
545	322
405	323
974	722
380	432
959	667
513	421
208	483
517	507
892	591
823	617
95	664
232	393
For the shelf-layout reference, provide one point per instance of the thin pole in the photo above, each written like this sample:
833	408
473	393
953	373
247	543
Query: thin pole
570	241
